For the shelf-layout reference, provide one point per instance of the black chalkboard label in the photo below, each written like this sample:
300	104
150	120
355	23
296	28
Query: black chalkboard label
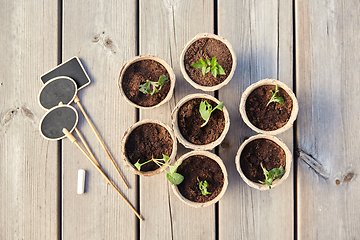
59	89
71	68
56	119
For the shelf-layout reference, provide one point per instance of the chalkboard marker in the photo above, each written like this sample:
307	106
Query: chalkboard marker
60	89
71	68
59	117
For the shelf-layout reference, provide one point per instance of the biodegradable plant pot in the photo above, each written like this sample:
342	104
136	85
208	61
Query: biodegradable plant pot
199	166
274	118
186	121
146	139
137	71
271	151
207	46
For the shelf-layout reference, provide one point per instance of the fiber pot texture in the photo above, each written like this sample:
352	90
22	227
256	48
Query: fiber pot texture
223	170
204	133
288	160
137	71
147	137
283	90
208	53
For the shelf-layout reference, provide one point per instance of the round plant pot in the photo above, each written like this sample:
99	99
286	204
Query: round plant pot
142	139
278	142
195	49
278	109
137	71
204	138
191	156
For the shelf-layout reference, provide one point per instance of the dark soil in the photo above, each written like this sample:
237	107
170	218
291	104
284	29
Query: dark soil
146	141
207	48
202	168
270	117
262	151
138	73
190	120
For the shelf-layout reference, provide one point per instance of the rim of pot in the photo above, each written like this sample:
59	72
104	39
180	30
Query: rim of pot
262	82
180	137
218	160
127	133
182	65
276	182
145	57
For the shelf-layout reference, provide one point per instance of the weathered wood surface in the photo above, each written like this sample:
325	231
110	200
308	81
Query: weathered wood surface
38	178
103	35
29	167
327	86
261	35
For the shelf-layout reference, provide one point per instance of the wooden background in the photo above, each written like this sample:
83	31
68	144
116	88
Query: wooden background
312	46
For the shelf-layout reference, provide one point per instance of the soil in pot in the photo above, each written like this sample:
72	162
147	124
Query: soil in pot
190	120
207	48
264	151
200	168
138	73
270	117
147	141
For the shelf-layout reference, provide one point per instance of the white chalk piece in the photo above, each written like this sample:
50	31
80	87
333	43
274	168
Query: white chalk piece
81	181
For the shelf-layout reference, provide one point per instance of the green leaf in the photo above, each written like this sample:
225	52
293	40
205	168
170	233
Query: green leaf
208	62
220	69
175	178
145	88
220	106
138	165
197	65
271	175
163	79
205	109
213	62
203	63
214	71
203	187
207	69
165	158
204	71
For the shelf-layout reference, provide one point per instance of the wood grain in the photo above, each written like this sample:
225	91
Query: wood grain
29	169
261	34
165	27
103	36
327	36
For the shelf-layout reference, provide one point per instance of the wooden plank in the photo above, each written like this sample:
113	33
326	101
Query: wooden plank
261	35
28	163
327	74
103	35
165	27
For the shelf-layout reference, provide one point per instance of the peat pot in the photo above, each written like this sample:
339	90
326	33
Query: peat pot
143	141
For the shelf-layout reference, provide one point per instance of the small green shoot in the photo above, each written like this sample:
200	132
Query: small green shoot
203	187
172	176
274	98
271	175
206	109
208	65
156	86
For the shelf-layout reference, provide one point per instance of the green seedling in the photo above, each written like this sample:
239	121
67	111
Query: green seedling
172	176
206	109
156	86
208	65
203	187
274	98
271	175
